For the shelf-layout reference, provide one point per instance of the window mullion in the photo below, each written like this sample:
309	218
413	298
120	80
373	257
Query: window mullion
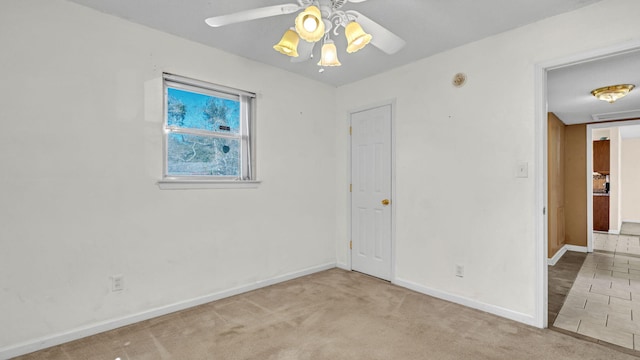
178	130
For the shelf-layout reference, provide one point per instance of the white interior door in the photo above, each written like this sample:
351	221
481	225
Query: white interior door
371	191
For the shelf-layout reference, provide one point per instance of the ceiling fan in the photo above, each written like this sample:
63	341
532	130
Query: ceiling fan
316	22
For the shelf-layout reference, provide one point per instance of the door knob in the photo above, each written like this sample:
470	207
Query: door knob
386	202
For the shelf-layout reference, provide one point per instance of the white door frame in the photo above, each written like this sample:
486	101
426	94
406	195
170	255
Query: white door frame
392	103
541	185
590	128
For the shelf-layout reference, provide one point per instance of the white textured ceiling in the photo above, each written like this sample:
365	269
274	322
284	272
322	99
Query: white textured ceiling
569	89
428	26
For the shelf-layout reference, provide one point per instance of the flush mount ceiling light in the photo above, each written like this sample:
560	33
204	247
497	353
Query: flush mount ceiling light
612	93
315	22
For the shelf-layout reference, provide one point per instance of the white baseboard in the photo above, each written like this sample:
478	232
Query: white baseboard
576	248
614	231
81	332
552	261
343	266
492	309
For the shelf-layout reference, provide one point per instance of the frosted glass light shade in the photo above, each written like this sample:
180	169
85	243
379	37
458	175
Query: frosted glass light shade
288	45
356	37
329	55
612	93
309	24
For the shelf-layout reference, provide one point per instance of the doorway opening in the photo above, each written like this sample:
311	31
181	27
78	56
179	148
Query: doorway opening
545	298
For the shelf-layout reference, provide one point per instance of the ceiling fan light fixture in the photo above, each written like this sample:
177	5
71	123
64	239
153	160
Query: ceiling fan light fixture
329	54
612	93
288	45
356	37
309	24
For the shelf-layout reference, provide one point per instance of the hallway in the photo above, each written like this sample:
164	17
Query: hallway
604	301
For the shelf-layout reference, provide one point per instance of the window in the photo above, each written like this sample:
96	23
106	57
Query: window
207	132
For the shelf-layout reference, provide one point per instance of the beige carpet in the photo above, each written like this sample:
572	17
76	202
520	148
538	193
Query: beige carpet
629	228
331	315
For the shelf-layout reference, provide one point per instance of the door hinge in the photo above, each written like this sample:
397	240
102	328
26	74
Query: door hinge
350	129
544	211
351	244
350	187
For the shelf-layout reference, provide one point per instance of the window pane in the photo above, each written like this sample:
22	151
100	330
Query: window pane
193	155
193	110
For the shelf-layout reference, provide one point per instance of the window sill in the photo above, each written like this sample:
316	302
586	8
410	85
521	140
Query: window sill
207	184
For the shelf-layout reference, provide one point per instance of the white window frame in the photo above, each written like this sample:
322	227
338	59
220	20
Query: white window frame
246	178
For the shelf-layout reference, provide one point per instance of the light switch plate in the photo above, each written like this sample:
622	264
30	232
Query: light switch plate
523	170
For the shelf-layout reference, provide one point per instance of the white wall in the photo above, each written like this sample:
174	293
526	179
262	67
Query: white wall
598	134
80	154
457	199
630	180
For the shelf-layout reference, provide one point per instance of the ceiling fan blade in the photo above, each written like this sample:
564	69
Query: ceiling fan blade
252	14
383	39
305	51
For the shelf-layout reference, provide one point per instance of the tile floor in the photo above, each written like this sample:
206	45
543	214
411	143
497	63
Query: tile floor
630	228
604	301
625	244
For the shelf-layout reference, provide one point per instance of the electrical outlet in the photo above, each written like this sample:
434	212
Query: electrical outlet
117	282
459	270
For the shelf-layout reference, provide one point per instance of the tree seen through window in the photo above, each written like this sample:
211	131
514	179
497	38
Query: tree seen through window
204	139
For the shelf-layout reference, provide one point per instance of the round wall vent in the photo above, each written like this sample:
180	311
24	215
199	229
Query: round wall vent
459	79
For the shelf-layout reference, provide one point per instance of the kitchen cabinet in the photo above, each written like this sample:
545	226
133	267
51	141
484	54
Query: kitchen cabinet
601	212
601	161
